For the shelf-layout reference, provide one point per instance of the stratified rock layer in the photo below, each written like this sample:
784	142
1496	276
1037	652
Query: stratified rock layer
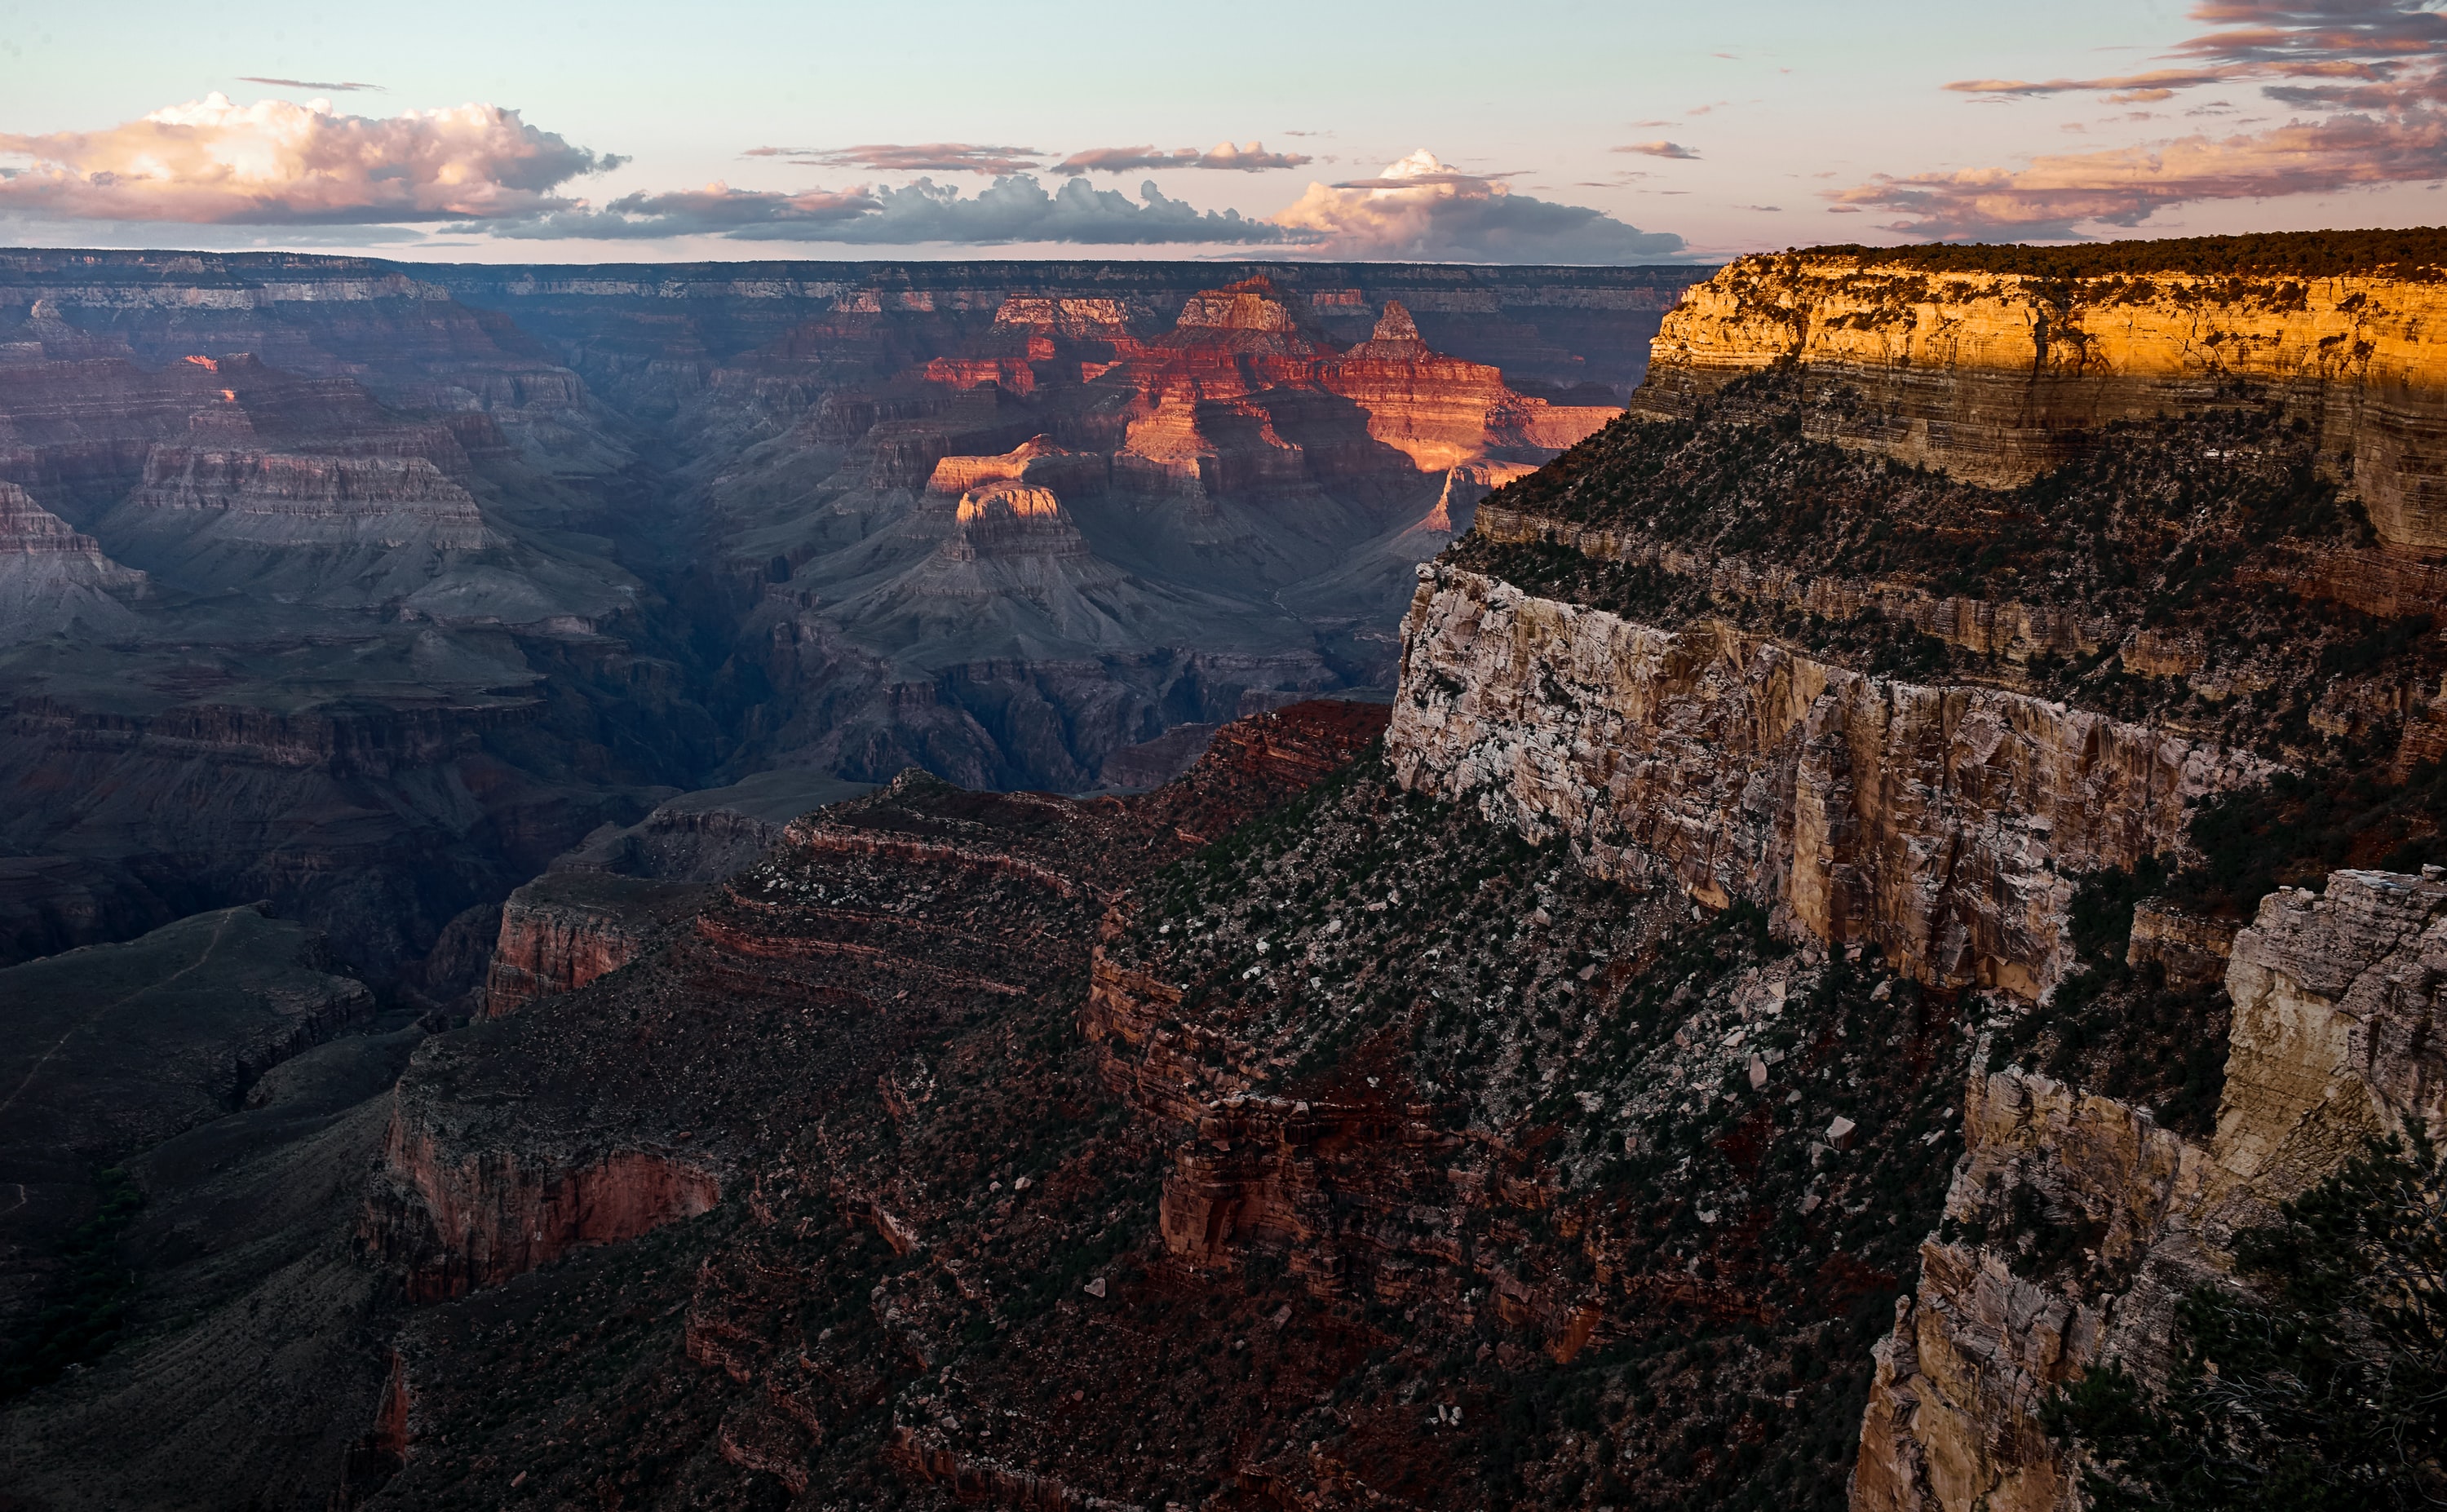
1993	376
565	929
2334	998
1942	825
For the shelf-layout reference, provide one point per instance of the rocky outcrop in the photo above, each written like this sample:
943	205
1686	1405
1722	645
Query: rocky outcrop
2189	948
1942	825
567	928
2075	1223
452	1218
54	580
1993	376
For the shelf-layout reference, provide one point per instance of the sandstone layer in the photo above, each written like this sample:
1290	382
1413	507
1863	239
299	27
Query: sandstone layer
1995	376
565	929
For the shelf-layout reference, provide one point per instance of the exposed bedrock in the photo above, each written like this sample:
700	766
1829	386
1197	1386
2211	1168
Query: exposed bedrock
567	928
1992	376
453	1218
55	580
2335	996
1943	824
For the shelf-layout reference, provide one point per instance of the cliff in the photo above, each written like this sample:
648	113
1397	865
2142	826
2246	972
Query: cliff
1941	824
565	929
2075	1223
1997	376
55	579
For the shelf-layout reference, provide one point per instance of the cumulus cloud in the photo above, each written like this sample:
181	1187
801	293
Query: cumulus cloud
1419	208
897	157
1659	149
210	161
1251	159
2370	76
1013	209
322	85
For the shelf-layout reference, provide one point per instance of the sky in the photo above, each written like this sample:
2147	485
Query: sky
1534	131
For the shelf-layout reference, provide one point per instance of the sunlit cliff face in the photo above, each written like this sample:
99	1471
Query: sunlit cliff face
1010	502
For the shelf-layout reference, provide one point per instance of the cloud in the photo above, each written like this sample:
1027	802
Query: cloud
2125	186
2371	76
1419	208
895	156
2369	55
1659	149
209	162
308	83
1251	159
1013	209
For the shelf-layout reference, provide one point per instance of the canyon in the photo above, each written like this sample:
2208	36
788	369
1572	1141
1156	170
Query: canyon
1876	867
369	589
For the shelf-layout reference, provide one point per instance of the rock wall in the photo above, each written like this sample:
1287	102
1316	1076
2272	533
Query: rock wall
1943	824
455	1218
2075	1223
565	929
1991	376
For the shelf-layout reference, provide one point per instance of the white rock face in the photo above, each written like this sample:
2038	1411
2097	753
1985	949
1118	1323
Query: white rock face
2333	997
1946	825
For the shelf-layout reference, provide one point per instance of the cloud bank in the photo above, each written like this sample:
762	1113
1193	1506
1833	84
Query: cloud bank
2370	76
321	84
894	157
1420	208
482	170
1659	149
212	162
1017	209
1251	159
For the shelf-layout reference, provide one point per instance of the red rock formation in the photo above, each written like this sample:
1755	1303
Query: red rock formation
565	929
470	1202
452	1220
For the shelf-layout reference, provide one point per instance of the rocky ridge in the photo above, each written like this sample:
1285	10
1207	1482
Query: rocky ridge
1994	376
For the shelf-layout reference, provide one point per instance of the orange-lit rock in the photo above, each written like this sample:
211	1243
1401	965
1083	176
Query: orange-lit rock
1992	376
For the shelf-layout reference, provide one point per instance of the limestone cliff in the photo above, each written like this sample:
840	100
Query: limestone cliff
54	579
1994	376
1942	823
2075	1222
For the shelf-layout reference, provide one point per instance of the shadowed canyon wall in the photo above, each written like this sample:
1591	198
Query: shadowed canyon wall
368	588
